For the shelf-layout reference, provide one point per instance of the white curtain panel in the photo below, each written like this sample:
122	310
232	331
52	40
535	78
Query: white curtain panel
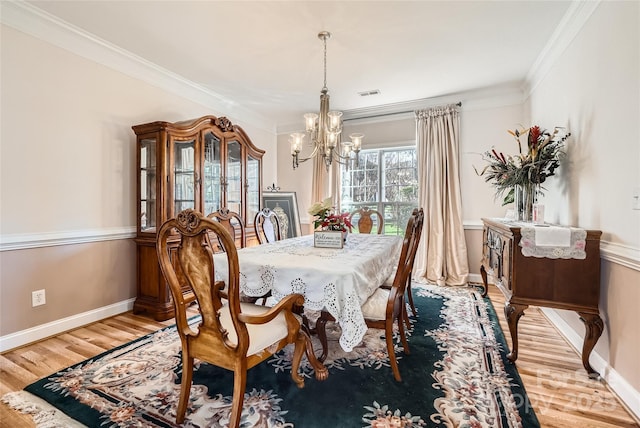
442	255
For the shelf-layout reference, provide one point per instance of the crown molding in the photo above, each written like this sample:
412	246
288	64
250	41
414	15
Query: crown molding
570	25
479	99
37	23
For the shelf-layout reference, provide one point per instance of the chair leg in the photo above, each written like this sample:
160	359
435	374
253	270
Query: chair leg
403	336
239	386
297	357
185	386
410	296
405	316
391	350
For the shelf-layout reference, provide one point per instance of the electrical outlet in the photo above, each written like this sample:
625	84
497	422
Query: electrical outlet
636	198
38	298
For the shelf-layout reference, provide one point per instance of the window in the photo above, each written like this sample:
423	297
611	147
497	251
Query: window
385	180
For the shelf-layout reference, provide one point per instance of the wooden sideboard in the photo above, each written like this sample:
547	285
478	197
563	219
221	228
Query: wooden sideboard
572	284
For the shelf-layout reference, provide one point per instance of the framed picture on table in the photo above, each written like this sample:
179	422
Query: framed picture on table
285	205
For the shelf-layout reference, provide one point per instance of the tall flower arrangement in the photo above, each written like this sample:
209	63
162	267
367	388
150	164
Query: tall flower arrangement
327	218
528	168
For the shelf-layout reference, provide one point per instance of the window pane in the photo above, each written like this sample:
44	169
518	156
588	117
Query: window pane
385	180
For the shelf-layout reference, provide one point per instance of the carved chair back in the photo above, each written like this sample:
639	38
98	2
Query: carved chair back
366	218
233	223
267	226
231	334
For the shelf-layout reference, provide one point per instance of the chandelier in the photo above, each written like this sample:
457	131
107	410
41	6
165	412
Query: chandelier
325	130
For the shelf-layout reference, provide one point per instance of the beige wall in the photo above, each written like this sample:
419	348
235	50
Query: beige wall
67	171
593	88
77	278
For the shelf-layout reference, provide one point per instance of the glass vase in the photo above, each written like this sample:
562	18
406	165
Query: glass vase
525	196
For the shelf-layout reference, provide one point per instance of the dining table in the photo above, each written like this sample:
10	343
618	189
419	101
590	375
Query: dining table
338	280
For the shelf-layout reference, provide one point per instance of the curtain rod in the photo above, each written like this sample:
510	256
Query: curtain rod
459	104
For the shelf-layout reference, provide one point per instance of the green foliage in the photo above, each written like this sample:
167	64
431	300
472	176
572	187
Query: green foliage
544	153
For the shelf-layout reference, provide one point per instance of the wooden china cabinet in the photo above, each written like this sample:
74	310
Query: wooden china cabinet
204	164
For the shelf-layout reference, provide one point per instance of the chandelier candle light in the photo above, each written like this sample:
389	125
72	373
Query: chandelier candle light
325	130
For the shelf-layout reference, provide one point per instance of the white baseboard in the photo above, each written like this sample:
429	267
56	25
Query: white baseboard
474	277
629	395
43	331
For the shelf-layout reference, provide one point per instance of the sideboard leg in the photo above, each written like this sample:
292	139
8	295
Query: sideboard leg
594	326
483	273
513	312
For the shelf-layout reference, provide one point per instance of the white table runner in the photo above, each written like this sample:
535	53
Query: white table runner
553	242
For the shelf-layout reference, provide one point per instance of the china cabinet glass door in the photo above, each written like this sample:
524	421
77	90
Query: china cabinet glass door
212	173
148	203
184	175
233	177
253	187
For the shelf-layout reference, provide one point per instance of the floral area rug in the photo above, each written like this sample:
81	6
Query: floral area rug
456	375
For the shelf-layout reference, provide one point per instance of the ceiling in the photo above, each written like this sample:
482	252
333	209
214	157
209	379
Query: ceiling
266	56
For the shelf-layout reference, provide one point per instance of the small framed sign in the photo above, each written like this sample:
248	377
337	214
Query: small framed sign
328	239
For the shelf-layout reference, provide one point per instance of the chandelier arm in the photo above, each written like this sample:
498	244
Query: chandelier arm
311	156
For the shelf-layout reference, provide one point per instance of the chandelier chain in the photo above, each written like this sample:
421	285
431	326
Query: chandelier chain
325	62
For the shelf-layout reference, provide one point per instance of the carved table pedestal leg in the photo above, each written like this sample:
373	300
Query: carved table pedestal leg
513	312
594	326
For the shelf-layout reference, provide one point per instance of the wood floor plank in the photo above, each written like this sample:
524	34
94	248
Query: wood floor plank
561	393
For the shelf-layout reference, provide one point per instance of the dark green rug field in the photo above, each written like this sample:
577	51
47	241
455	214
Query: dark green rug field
456	375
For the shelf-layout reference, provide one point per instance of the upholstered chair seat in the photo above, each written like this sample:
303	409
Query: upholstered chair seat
376	306
263	336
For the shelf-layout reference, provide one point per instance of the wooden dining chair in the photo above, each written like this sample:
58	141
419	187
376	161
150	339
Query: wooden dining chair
387	307
267	226
366	218
233	223
409	293
231	334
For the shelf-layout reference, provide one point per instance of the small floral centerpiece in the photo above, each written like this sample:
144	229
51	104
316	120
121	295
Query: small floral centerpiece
527	169
326	217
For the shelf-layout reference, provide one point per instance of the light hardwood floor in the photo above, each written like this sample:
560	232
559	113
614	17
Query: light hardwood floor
559	389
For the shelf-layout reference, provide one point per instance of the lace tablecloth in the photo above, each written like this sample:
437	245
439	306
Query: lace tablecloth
339	280
553	242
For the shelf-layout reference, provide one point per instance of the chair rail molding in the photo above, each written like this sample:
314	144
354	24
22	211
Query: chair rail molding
621	254
52	239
